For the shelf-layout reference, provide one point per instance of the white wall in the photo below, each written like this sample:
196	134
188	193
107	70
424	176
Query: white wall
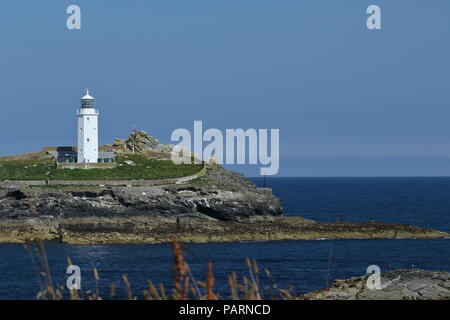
87	135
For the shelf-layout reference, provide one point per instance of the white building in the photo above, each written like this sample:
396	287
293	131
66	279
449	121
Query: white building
87	130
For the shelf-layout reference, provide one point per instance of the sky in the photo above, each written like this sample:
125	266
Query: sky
348	101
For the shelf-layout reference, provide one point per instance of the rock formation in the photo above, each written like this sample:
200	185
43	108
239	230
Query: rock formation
409	284
141	142
220	206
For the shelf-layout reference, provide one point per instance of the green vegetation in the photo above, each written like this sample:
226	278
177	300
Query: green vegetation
129	167
26	170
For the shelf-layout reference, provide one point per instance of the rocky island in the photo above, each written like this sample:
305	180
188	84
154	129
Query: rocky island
211	204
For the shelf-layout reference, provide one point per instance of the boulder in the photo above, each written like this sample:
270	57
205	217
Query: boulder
141	142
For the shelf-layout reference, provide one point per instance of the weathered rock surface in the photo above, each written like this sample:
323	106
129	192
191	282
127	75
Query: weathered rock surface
220	206
409	284
232	198
141	142
27	213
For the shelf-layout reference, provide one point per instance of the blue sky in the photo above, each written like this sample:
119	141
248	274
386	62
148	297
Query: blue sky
348	101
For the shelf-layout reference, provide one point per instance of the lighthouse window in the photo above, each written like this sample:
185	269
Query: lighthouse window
87	139
87	118
81	129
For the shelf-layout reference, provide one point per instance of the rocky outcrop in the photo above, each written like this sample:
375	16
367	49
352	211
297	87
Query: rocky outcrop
28	213
141	142
219	206
233	198
409	284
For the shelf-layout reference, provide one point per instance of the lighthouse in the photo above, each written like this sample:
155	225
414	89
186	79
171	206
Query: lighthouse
87	130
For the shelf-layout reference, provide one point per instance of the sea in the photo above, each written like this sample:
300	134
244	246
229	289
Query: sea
297	266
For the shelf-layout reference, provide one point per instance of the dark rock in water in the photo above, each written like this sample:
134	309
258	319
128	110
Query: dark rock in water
410	284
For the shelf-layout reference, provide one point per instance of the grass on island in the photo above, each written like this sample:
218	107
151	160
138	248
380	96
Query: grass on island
130	167
26	170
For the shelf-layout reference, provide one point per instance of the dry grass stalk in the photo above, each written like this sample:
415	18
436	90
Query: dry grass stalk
128	285
210	295
112	291
180	270
184	283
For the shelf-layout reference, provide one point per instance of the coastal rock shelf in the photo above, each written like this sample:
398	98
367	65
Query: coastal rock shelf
405	284
141	229
220	206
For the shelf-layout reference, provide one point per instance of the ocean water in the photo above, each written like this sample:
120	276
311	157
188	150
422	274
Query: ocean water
300	266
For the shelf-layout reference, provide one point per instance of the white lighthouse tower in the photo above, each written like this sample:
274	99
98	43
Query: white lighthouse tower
87	130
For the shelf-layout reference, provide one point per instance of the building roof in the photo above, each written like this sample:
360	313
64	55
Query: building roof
87	96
